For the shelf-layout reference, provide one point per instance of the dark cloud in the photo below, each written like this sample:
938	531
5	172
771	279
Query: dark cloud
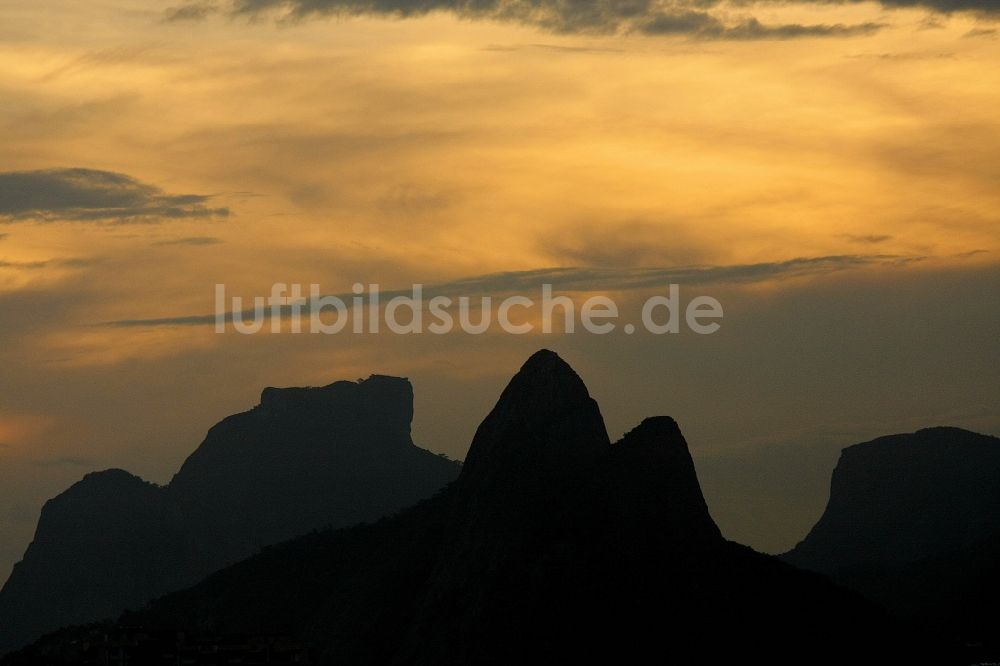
557	15
88	195
655	17
945	6
705	26
577	279
191	240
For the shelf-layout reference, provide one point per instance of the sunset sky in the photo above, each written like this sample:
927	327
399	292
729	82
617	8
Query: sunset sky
830	172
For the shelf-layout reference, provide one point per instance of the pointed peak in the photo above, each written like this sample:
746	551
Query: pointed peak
545	359
546	377
544	385
544	414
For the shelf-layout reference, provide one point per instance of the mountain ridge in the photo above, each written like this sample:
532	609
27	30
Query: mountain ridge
304	458
609	554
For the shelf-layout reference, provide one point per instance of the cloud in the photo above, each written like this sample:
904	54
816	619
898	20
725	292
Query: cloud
941	55
982	33
191	240
561	48
414	200
869	239
193	11
625	244
580	279
71	262
3	236
88	195
118	55
654	17
702	25
944	6
29	265
932	23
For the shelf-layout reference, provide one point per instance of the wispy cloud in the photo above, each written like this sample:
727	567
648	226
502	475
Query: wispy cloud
560	48
89	195
118	55
981	33
629	243
904	56
191	240
71	262
192	11
867	239
583	280
414	200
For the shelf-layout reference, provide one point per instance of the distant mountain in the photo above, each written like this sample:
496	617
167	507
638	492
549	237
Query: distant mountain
903	498
913	523
303	459
553	547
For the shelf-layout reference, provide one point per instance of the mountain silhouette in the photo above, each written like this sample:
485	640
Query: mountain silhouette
913	522
553	546
301	460
904	498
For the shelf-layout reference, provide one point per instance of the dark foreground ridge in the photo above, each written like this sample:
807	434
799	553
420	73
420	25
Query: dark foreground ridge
554	546
303	459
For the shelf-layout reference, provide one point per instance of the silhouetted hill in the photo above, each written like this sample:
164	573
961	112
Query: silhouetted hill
303	459
905	498
553	547
913	523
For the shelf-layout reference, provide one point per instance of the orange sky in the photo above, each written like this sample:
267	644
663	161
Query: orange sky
428	149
